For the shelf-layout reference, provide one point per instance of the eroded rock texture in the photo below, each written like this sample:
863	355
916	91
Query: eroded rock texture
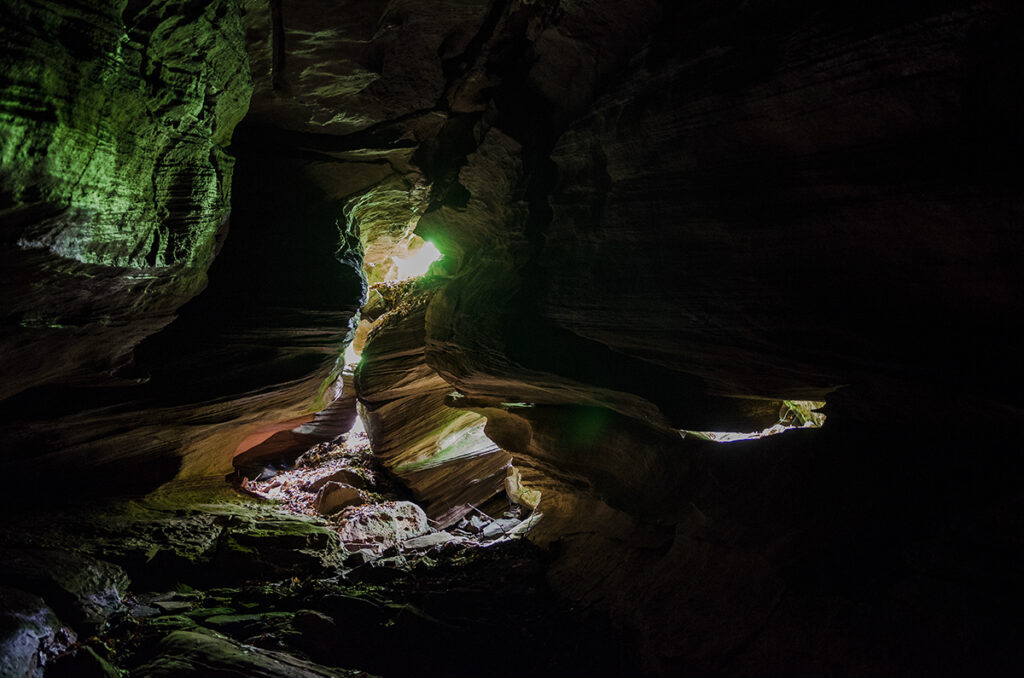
656	216
117	186
674	222
438	451
115	180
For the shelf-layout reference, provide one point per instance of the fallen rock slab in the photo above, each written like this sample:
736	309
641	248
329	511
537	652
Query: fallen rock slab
186	653
173	606
499	528
429	541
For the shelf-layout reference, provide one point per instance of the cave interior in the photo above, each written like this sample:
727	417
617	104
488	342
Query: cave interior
505	337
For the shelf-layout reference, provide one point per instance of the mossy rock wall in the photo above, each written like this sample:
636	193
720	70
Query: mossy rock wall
114	179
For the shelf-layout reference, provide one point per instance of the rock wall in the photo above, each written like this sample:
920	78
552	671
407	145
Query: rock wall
117	187
115	182
666	226
436	448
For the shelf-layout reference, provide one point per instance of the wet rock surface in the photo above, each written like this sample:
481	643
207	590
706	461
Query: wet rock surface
185	653
115	194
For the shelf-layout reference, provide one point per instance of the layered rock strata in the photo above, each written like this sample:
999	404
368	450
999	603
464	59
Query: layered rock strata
115	183
656	217
438	451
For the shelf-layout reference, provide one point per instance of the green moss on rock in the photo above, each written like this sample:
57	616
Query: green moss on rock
120	122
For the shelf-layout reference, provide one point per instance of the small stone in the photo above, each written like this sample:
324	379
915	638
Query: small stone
398	562
266	474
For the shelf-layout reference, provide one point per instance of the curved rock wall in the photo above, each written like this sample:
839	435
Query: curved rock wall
113	176
751	204
116	188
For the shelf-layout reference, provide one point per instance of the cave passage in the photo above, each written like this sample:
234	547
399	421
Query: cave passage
252	423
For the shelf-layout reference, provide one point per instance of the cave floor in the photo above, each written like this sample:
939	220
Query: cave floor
481	612
199	579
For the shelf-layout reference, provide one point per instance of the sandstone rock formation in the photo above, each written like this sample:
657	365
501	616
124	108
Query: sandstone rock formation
656	217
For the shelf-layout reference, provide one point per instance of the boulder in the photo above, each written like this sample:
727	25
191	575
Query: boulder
318	634
275	545
345	475
30	633
360	557
333	497
83	590
382	525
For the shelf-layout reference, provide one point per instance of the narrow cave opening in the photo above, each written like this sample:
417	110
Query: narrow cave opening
425	519
341	479
793	415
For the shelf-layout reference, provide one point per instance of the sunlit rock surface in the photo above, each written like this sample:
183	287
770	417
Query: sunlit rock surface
438	450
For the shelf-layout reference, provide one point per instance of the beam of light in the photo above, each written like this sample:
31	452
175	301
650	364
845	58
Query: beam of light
418	262
351	355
